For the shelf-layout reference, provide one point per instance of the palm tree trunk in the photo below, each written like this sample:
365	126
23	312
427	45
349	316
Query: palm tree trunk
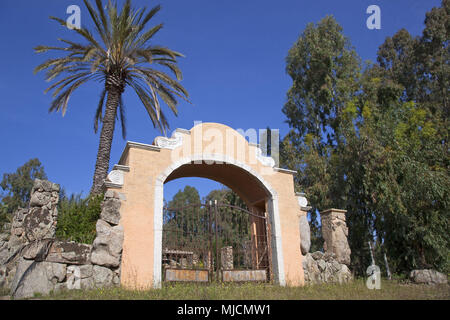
106	137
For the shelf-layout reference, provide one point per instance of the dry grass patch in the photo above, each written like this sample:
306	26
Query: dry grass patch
390	290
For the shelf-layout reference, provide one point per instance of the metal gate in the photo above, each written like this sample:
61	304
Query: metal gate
215	242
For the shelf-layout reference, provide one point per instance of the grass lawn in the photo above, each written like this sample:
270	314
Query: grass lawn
390	290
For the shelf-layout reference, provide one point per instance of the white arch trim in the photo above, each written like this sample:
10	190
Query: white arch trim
277	252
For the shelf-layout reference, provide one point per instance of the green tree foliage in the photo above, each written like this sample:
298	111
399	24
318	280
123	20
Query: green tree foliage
17	186
186	197
324	69
77	217
185	221
226	196
384	156
189	223
233	224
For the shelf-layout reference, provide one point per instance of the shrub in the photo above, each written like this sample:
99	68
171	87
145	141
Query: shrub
77	217
5	217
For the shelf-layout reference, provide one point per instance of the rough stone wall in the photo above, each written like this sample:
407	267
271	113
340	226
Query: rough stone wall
28	227
33	261
331	266
335	232
322	267
5	234
107	246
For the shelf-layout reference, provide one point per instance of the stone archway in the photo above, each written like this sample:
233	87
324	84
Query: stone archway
208	150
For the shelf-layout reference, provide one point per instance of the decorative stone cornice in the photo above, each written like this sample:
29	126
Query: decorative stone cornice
170	143
131	144
108	184
302	201
267	161
185	131
285	170
121	167
115	177
332	210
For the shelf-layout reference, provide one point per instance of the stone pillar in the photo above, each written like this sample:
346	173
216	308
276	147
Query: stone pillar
335	232
305	231
226	257
107	246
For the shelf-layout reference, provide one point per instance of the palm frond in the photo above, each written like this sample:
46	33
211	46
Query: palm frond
97	21
150	107
61	101
147	18
142	40
83	32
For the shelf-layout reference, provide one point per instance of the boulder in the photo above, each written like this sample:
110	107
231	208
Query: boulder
305	235
329	256
107	246
344	275
321	264
39	224
40	199
33	277
86	271
44	186
80	277
69	253
4	237
428	276
317	255
56	272
87	283
111	211
44	194
37	250
17	232
103	277
10	252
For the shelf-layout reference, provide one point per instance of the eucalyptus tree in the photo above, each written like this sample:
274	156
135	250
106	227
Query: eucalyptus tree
375	143
119	54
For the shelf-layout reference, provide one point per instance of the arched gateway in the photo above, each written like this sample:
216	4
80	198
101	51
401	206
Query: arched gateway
208	150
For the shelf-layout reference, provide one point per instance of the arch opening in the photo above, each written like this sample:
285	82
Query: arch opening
247	184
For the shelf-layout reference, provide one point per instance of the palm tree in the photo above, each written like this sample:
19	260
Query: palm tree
122	56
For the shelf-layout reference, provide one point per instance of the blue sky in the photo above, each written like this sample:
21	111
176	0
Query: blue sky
234	71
